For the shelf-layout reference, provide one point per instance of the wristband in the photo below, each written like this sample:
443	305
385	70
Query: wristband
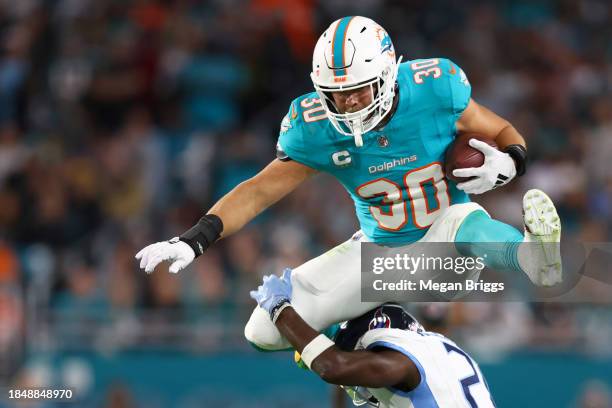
276	310
203	234
313	349
519	155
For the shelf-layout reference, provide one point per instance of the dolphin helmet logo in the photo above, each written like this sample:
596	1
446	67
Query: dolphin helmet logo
385	43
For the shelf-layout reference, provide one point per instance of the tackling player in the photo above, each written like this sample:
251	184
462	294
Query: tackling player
381	127
384	358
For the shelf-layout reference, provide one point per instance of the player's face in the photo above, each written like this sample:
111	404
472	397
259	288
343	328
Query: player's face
353	100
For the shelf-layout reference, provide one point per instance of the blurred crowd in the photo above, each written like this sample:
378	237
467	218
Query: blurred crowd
122	121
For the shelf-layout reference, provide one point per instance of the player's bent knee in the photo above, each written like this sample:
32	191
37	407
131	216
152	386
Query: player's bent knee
445	227
258	339
261	333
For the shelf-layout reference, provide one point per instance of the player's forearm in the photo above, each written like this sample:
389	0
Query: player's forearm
509	136
295	329
333	365
244	202
477	119
254	195
300	334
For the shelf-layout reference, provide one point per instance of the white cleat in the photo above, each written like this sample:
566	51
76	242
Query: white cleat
540	258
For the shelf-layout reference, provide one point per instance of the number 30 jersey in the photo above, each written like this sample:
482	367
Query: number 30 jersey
450	378
396	178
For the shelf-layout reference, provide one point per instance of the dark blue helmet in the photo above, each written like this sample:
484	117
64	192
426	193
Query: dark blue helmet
389	316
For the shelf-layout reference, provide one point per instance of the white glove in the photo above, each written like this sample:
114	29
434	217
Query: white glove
498	169
177	252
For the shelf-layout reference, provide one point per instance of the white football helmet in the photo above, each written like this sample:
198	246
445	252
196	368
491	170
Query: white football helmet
352	53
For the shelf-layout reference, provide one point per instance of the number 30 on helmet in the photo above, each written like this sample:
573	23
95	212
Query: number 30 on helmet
352	53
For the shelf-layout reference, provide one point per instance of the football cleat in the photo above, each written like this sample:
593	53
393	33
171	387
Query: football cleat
540	258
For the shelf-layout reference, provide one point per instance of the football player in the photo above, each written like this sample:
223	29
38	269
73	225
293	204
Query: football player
383	358
381	127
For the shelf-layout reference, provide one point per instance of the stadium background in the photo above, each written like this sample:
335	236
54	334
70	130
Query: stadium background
120	121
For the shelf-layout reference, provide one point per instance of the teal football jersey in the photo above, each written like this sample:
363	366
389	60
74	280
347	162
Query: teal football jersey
396	178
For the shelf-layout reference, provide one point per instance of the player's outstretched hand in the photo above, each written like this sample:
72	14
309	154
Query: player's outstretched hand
177	252
273	291
498	169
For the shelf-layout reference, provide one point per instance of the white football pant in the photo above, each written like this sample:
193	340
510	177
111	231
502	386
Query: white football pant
327	289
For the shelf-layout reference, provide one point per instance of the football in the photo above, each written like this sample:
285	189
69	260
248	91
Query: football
460	155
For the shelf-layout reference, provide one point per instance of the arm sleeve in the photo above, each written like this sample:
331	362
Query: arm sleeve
290	145
459	87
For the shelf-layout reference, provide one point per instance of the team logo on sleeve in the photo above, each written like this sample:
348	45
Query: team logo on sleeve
293	112
285	124
379	321
463	77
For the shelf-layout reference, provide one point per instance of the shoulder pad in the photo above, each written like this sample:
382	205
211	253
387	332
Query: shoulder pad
438	82
299	128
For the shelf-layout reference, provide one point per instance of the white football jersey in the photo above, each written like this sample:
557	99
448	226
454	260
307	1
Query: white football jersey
449	377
